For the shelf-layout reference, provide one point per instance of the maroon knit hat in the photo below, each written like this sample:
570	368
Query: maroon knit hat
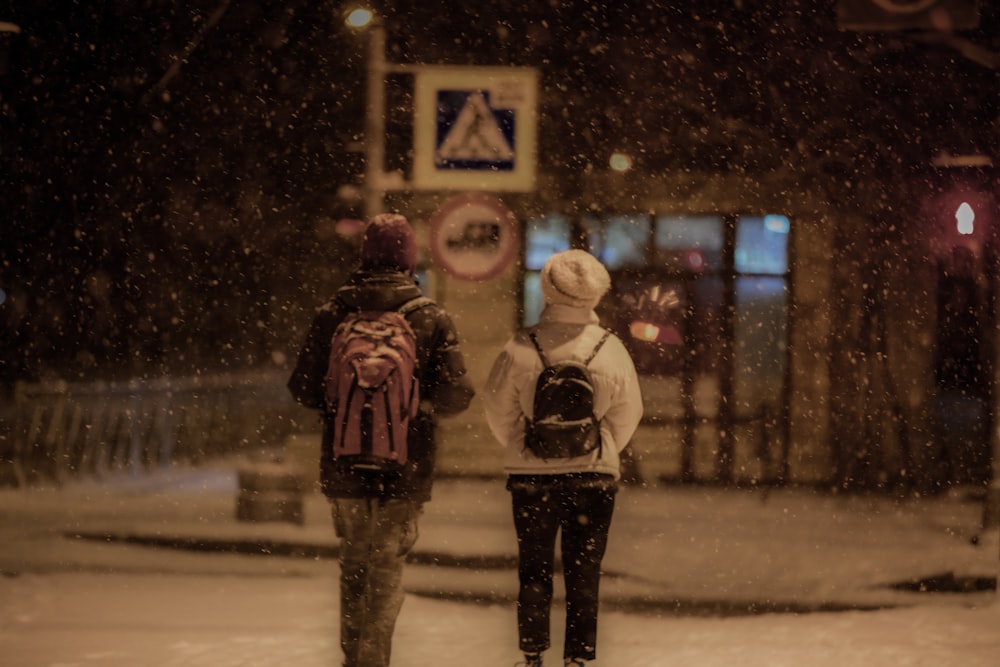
389	243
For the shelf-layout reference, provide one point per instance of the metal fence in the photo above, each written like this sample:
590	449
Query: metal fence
55	431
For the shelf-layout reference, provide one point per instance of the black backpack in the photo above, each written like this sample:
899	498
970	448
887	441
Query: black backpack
563	424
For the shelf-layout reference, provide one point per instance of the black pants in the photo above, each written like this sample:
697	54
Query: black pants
581	505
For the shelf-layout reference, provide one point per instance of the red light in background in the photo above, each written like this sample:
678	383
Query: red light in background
962	214
694	259
650	332
349	226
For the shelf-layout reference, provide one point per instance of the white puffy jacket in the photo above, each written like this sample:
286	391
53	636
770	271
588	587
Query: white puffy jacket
563	332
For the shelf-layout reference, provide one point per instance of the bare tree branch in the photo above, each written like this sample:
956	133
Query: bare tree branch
175	67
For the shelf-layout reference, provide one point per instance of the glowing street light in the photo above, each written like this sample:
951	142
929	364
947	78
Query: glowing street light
376	182
620	162
374	194
965	218
359	18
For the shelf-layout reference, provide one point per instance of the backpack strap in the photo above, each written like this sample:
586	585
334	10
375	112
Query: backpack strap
593	353
414	304
534	340
597	348
408	307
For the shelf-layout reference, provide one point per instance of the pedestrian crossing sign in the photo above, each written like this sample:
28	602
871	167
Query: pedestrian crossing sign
475	128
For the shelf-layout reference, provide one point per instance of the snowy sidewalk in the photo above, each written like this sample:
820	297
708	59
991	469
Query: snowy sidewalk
199	620
158	571
691	550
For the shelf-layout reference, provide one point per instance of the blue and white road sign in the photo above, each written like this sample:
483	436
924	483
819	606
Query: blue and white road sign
475	128
471	134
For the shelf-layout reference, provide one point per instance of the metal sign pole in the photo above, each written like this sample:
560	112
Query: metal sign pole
375	122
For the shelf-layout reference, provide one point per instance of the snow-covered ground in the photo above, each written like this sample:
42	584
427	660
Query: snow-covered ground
190	620
689	571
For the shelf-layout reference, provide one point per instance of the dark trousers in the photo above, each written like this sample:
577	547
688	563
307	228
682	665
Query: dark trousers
581	505
375	537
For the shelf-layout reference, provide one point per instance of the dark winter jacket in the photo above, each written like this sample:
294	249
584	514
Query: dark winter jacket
445	389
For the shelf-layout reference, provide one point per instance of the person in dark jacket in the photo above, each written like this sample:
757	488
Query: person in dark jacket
375	517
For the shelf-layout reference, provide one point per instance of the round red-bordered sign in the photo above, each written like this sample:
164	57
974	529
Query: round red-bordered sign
473	237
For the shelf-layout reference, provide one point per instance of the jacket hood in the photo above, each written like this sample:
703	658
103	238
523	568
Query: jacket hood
378	290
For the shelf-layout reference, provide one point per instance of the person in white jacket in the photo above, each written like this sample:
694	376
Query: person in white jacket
577	493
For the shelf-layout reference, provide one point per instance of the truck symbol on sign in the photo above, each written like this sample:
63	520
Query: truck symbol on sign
476	235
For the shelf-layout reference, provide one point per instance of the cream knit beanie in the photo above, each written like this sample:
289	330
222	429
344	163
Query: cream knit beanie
574	278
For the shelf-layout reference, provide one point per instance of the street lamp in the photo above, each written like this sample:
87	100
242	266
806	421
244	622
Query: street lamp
620	162
374	193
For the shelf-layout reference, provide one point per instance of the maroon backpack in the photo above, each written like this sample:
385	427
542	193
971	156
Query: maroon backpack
372	391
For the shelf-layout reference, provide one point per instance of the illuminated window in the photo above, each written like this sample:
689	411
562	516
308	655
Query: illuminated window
689	243
762	245
702	304
650	316
624	241
545	237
